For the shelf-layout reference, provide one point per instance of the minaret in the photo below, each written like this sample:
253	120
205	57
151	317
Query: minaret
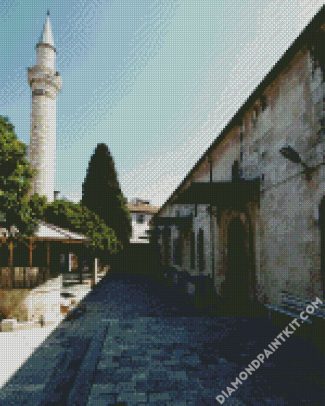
45	83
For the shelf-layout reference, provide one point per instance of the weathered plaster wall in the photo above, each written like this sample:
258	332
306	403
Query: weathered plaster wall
284	226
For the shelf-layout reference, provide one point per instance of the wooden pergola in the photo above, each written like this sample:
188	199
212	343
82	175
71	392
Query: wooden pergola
47	233
50	233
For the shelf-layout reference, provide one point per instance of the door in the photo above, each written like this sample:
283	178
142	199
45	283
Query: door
237	274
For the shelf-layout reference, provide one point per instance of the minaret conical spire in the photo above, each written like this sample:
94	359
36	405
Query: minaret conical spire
47	35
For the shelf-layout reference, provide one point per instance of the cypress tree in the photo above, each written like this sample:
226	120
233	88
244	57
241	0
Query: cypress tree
102	194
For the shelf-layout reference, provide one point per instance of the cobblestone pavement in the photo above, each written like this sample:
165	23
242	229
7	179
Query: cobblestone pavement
136	343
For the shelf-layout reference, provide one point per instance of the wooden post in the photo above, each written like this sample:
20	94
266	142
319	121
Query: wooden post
11	253
25	277
30	252
95	272
70	261
48	255
80	267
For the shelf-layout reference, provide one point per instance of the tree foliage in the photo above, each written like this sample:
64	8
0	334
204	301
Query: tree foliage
80	219
19	208
38	205
15	181
102	194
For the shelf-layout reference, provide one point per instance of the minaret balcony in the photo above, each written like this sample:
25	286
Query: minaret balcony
42	75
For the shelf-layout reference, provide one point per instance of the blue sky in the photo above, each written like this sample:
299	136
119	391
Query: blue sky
154	79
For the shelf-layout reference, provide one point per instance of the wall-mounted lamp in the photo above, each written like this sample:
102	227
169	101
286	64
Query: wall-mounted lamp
292	155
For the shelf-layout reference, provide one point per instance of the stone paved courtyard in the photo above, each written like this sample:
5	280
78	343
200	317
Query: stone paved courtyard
136	343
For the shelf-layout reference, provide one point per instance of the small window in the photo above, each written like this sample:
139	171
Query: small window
140	218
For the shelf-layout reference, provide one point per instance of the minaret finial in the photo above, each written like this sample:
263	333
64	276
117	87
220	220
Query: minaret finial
47	36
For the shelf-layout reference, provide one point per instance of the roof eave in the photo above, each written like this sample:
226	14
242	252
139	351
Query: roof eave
297	44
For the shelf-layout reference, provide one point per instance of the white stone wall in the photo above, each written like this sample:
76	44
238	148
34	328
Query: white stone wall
41	302
140	230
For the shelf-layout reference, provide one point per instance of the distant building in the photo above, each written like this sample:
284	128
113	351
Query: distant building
141	214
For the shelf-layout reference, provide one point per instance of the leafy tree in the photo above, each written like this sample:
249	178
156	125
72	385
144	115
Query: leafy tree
102	194
37	205
78	218
15	181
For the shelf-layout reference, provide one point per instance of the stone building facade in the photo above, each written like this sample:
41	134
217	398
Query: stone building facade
141	212
45	83
250	216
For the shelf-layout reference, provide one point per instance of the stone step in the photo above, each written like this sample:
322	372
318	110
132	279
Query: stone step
58	386
79	393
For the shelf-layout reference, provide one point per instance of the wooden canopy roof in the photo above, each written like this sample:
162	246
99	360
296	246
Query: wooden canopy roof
220	193
51	232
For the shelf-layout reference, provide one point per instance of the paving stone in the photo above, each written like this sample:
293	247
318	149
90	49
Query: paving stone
158	351
161	396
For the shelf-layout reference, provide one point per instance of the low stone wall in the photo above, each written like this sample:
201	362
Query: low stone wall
40	304
23	277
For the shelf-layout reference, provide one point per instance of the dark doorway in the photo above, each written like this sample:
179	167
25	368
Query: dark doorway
200	250
237	274
4	255
166	235
192	250
178	248
322	242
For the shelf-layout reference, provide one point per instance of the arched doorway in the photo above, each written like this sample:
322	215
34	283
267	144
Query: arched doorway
237	274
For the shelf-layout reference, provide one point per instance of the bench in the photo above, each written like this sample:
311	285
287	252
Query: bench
292	306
